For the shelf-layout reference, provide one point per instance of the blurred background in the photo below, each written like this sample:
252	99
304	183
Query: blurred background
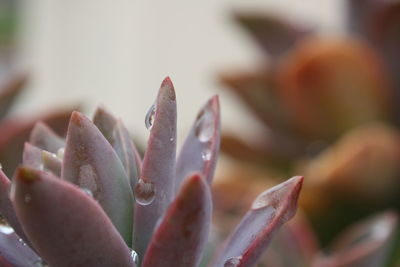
117	54
309	88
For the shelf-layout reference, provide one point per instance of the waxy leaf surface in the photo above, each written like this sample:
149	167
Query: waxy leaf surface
91	163
269	212
158	166
183	231
66	226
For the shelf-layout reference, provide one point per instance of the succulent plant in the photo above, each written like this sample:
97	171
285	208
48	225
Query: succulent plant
327	109
15	129
90	200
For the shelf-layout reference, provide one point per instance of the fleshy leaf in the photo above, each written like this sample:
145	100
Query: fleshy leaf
91	163
182	234
15	132
78	234
51	163
298	238
157	172
45	138
118	136
268	213
10	90
32	156
14	252
365	244
127	152
105	122
200	150
6	208
274	35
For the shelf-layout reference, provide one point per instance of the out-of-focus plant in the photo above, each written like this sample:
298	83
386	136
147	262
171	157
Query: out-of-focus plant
367	243
15	129
90	200
329	109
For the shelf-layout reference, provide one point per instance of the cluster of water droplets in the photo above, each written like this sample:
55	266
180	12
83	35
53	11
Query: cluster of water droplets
233	262
204	131
144	192
150	116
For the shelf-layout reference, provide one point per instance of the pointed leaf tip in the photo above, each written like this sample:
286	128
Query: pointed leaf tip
252	236
27	175
90	162
167	84
158	165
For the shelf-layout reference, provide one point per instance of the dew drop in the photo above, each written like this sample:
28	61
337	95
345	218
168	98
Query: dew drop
206	154
149	120
40	263
60	153
171	139
135	257
204	127
6	229
87	192
20	240
27	198
144	192
233	262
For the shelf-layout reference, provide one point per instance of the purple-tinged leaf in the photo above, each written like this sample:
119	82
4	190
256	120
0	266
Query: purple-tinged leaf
297	237
365	244
275	36
259	92
51	163
268	213
10	90
14	252
118	136
65	225
32	156
105	122
180	238
200	150
91	163
6	208
155	188
127	152
45	138
15	132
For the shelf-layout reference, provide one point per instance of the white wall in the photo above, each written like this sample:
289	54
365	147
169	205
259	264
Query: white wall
117	52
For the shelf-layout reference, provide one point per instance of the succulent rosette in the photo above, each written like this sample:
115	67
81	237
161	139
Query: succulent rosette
327	108
91	200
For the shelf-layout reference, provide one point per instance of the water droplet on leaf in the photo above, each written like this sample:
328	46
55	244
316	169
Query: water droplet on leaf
204	128
41	263
144	192
232	262
60	153
206	154
149	120
6	229
87	192
135	257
